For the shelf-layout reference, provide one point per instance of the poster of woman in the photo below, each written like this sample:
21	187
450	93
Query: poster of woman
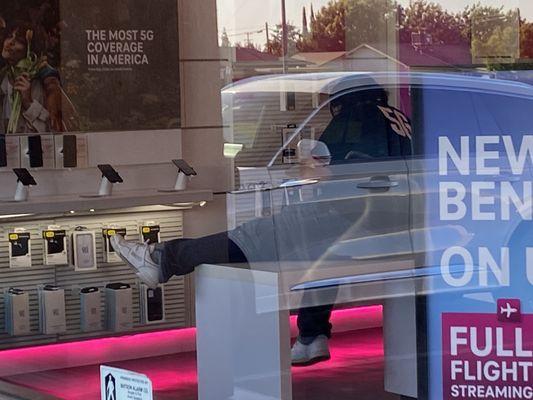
78	66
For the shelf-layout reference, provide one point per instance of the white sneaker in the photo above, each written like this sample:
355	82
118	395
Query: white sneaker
307	354
137	256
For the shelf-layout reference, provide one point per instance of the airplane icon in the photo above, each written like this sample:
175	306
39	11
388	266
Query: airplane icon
508	310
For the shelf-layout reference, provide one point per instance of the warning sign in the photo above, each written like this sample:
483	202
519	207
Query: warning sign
488	356
120	384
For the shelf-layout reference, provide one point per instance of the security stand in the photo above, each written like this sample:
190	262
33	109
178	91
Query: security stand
109	177
24	181
106	187
181	181
22	193
181	184
185	173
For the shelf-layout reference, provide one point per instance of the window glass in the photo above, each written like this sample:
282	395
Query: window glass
441	112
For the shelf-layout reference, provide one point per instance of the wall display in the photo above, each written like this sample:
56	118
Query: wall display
150	232
55	246
110	256
17	312
102	66
19	249
152	304
90	309
52	317
86	308
84	250
119	307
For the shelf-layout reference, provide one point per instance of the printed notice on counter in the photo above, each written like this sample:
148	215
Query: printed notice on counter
120	384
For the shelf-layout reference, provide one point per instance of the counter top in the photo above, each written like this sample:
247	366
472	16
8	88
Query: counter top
119	199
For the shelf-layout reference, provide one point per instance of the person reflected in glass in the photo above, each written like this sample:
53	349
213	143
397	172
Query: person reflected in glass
302	231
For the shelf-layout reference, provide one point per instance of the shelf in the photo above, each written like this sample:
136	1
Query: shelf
124	199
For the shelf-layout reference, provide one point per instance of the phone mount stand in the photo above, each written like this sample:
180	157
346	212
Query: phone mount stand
22	193
105	188
181	183
24	181
109	178
182	179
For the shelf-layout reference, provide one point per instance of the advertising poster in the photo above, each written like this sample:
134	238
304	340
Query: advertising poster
480	306
88	66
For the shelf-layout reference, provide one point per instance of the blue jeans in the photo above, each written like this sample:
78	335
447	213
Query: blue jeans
182	256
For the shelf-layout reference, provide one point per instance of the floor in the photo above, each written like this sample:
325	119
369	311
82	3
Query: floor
355	371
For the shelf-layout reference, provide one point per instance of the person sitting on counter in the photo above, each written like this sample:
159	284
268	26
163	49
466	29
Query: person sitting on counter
254	241
303	232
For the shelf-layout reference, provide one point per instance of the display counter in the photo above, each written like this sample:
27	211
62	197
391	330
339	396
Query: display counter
243	333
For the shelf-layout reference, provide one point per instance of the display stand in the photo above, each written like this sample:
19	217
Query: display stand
22	193
242	316
24	181
185	172
109	177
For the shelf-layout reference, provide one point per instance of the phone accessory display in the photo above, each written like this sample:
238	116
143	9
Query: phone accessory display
84	249
90	309
150	233
110	256
119	307
19	249
17	312
55	246
52	318
152	304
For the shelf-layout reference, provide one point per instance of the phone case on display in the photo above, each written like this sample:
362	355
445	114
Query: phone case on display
55	247
110	256
17	312
90	309
19	250
152	304
84	250
3	151
119	307
35	151
70	151
150	233
52	319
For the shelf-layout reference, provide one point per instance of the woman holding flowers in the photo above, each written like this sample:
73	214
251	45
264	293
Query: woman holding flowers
30	90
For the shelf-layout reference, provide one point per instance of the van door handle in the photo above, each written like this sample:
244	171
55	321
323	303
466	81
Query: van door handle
378	182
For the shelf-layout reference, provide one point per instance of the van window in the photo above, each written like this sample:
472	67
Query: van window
363	126
442	112
498	114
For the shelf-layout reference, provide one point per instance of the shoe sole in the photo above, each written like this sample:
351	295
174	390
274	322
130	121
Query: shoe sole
312	361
